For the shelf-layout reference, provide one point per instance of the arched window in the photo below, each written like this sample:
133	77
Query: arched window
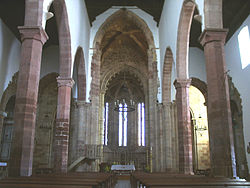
141	124
105	127
123	125
244	46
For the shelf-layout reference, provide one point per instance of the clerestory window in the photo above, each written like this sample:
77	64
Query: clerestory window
244	46
123	125
105	127
141	124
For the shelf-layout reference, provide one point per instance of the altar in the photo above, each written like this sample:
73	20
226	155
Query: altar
123	169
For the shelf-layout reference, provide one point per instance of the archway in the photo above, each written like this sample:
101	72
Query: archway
79	75
238	133
167	74
7	130
45	124
182	84
65	84
200	136
183	38
8	93
64	38
124	57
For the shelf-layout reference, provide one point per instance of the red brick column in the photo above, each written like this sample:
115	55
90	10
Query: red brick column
61	138
33	38
219	114
184	126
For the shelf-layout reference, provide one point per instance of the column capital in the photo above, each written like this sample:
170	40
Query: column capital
213	34
182	83
33	32
69	82
3	114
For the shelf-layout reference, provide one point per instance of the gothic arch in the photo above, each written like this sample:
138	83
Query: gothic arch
238	132
111	73
184	27
96	59
64	38
45	122
79	63
9	92
166	78
51	77
202	86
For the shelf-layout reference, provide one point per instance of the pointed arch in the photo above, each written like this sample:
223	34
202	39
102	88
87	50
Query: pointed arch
166	77
51	77
9	91
115	70
79	63
96	59
184	27
64	38
202	86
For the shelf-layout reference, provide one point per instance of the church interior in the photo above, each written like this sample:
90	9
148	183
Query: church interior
124	93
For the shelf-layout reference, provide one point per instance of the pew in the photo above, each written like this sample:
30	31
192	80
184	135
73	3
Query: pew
70	180
160	180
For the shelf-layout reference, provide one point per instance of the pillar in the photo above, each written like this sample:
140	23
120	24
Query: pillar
184	126
219	113
21	159
61	138
82	110
151	129
95	95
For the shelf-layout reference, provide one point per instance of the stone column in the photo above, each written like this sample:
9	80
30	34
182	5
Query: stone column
161	137
61	138
184	126
219	113
151	130
82	112
100	127
95	97
33	38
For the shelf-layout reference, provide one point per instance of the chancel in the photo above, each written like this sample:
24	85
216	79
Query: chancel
124	93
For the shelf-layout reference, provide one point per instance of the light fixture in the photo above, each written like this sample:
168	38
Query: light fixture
199	126
124	104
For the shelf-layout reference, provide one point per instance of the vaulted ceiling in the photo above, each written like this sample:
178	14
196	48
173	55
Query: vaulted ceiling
123	34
